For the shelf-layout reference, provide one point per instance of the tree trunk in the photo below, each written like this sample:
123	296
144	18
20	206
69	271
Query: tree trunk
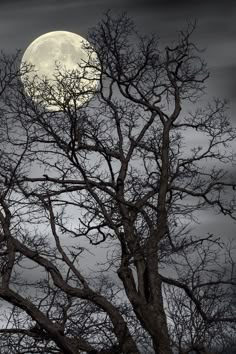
151	315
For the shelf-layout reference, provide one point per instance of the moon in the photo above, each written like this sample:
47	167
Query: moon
60	76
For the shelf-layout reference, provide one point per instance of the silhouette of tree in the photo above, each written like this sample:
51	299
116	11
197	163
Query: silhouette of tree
119	173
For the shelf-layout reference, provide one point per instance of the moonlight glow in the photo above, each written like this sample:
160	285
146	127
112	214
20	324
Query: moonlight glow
59	73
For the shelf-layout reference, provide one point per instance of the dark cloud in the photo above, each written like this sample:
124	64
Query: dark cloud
222	84
181	5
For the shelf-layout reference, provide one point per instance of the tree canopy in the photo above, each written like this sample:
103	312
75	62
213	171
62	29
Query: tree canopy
118	174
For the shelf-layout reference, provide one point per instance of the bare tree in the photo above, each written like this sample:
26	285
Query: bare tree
200	305
116	172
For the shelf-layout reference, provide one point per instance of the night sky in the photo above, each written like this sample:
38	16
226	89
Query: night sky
23	21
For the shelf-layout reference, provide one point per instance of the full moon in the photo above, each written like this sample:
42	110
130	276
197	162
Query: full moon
60	74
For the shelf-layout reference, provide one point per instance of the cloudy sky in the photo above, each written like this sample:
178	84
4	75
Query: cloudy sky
23	21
